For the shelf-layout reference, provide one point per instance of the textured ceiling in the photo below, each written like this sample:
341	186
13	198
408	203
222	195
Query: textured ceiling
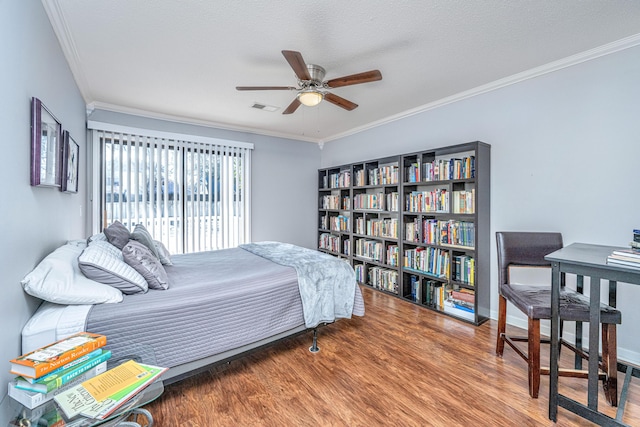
183	59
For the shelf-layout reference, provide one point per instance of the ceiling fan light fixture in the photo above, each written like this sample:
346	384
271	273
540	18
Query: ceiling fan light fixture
310	97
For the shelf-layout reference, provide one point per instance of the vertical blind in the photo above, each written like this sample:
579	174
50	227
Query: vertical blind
190	193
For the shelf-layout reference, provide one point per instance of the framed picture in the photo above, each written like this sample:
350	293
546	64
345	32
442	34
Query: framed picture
70	163
46	152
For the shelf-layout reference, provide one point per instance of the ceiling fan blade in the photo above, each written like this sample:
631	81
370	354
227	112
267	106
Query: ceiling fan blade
354	79
265	88
297	63
292	107
340	101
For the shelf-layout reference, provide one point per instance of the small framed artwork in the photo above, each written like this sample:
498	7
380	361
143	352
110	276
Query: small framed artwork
46	144
70	163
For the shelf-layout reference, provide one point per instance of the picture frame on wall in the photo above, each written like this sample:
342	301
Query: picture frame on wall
70	163
46	144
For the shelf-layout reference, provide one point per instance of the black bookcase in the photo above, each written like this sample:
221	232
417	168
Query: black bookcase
416	226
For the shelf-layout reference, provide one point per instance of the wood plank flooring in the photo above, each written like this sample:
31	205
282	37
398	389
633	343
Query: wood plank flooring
399	365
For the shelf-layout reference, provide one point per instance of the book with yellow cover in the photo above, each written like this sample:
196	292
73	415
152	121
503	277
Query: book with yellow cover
53	356
102	395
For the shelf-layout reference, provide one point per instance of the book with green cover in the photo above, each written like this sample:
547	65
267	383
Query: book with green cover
57	379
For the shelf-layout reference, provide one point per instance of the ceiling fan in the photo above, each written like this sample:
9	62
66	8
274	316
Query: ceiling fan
312	87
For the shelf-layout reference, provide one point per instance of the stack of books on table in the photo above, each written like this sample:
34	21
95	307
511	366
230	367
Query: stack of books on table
103	395
627	257
54	368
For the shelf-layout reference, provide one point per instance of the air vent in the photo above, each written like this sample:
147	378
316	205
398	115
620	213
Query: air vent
264	107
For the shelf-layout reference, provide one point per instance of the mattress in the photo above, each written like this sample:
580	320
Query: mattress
228	299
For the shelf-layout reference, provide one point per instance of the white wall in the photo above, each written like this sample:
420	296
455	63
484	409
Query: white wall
565	157
33	221
283	172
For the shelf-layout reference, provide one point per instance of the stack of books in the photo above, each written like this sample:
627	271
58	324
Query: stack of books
52	369
627	257
103	395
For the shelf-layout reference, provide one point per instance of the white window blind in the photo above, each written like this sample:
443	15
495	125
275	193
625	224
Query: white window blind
191	193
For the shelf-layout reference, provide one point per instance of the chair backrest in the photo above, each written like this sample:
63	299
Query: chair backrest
524	249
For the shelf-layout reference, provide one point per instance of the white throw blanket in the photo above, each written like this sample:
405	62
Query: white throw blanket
327	284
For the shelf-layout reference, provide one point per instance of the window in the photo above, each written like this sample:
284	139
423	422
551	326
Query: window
191	193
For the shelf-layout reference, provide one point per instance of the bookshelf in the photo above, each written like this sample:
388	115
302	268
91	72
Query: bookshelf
415	226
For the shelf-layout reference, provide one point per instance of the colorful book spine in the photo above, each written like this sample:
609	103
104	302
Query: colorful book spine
31	399
49	358
58	379
67	366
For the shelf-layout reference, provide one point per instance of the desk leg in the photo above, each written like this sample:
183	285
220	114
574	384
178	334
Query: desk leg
578	358
594	341
555	334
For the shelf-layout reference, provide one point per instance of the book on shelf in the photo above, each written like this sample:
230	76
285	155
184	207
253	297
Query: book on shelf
53	356
59	378
458	310
32	399
102	395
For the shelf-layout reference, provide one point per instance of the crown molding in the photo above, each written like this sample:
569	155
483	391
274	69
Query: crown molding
196	122
61	29
551	67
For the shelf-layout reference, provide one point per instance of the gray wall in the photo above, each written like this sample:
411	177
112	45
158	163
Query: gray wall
283	177
565	157
33	221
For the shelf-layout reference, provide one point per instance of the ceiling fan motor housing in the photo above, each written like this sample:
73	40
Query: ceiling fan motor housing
317	74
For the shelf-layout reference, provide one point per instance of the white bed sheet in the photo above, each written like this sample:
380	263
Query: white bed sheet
53	322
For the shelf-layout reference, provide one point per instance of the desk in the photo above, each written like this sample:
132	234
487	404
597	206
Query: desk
586	260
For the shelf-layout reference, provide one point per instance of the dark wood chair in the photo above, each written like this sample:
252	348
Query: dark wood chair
528	249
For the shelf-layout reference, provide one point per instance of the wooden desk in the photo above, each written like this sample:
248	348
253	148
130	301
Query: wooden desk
586	260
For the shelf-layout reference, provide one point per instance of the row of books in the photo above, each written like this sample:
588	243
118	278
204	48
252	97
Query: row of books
381	278
329	242
376	251
73	372
334	201
464	201
442	170
427	201
380	227
441	232
463	269
383	175
378	201
433	261
335	223
338	180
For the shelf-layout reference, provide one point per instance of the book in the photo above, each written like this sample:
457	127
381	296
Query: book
622	263
102	395
67	366
32	399
53	356
59	378
627	253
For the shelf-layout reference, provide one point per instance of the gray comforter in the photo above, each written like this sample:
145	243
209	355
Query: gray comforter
217	301
327	285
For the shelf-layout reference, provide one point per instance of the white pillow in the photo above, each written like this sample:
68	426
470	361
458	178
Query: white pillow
103	262
58	279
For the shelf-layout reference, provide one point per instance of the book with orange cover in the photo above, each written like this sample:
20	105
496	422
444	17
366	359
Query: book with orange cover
49	358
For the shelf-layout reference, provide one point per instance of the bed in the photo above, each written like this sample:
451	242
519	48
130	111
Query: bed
218	305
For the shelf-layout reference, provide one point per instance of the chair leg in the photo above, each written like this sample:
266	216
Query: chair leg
610	361
502	325
533	359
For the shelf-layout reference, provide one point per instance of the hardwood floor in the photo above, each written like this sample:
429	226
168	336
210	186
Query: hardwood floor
399	365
